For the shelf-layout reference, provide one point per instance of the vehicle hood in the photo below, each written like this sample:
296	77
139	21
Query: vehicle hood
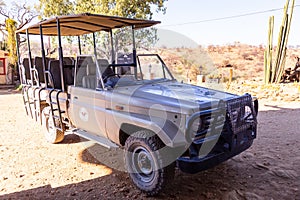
174	95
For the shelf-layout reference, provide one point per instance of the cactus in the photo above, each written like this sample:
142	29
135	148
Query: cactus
288	27
274	71
269	51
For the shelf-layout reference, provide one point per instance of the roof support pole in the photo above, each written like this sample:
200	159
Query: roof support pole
61	59
95	47
43	56
19	61
134	51
79	44
29	57
113	54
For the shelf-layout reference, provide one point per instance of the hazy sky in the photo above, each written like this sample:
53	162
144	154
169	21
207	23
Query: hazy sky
249	29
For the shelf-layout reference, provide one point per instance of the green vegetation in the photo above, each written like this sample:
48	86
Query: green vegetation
11	26
16	17
123	8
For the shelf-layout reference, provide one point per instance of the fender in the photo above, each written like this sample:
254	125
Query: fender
166	130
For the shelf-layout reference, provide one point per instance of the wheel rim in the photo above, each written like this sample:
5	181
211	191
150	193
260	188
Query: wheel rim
142	164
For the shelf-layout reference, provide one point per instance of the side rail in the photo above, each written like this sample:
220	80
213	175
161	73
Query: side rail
56	109
32	94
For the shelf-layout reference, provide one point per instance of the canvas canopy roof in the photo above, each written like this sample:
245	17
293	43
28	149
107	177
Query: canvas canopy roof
74	25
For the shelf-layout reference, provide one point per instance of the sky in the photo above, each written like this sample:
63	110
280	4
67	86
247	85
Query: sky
251	29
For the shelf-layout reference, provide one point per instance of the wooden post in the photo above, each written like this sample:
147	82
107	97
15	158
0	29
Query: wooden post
230	74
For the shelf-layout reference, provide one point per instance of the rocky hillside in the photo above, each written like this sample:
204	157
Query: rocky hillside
247	61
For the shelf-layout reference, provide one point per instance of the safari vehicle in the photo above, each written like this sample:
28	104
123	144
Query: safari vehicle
136	105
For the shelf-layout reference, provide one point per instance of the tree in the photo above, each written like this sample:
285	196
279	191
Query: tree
48	8
15	17
11	26
123	8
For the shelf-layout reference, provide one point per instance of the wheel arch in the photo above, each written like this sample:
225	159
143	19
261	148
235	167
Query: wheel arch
171	139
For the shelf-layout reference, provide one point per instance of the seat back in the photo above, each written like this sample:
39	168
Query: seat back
54	70
124	70
69	75
26	68
69	61
90	80
81	68
38	64
105	68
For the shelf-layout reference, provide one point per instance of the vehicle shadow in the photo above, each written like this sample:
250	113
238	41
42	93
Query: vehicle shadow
268	168
72	139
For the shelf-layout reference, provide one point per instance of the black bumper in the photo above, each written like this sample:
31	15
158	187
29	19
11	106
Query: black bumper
196	164
228	137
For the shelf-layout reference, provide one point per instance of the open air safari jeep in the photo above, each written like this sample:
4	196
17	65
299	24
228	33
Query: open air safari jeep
138	106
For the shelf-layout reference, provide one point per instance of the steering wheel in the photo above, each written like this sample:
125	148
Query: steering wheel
110	75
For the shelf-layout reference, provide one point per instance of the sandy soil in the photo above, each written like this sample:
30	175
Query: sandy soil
31	168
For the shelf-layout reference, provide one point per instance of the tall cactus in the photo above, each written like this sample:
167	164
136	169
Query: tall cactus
288	27
269	51
274	71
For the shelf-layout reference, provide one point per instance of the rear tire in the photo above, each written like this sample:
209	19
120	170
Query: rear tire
52	134
145	163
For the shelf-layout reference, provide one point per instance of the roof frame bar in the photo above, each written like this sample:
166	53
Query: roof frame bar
43	55
83	22
29	57
60	52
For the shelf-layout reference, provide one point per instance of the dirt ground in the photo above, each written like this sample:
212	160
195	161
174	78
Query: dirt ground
31	168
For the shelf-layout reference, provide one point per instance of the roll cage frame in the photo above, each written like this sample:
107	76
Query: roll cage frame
73	22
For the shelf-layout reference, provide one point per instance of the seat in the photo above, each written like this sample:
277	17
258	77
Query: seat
69	61
54	70
90	80
124	70
69	76
81	69
27	68
104	68
38	64
80	73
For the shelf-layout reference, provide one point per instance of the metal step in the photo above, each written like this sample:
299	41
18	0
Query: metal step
98	139
56	117
59	128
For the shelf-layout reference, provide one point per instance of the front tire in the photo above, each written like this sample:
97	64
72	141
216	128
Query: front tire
145	163
52	134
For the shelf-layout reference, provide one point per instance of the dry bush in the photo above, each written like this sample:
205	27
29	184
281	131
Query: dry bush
247	60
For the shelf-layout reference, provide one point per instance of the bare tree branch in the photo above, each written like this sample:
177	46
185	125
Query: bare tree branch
3	13
27	21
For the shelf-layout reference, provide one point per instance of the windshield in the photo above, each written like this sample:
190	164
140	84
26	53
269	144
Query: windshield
151	67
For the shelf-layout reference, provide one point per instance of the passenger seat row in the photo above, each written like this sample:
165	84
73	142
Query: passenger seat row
53	68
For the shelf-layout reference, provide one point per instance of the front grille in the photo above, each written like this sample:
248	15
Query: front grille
211	124
241	113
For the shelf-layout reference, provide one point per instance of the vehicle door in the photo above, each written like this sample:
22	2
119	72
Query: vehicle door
87	101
